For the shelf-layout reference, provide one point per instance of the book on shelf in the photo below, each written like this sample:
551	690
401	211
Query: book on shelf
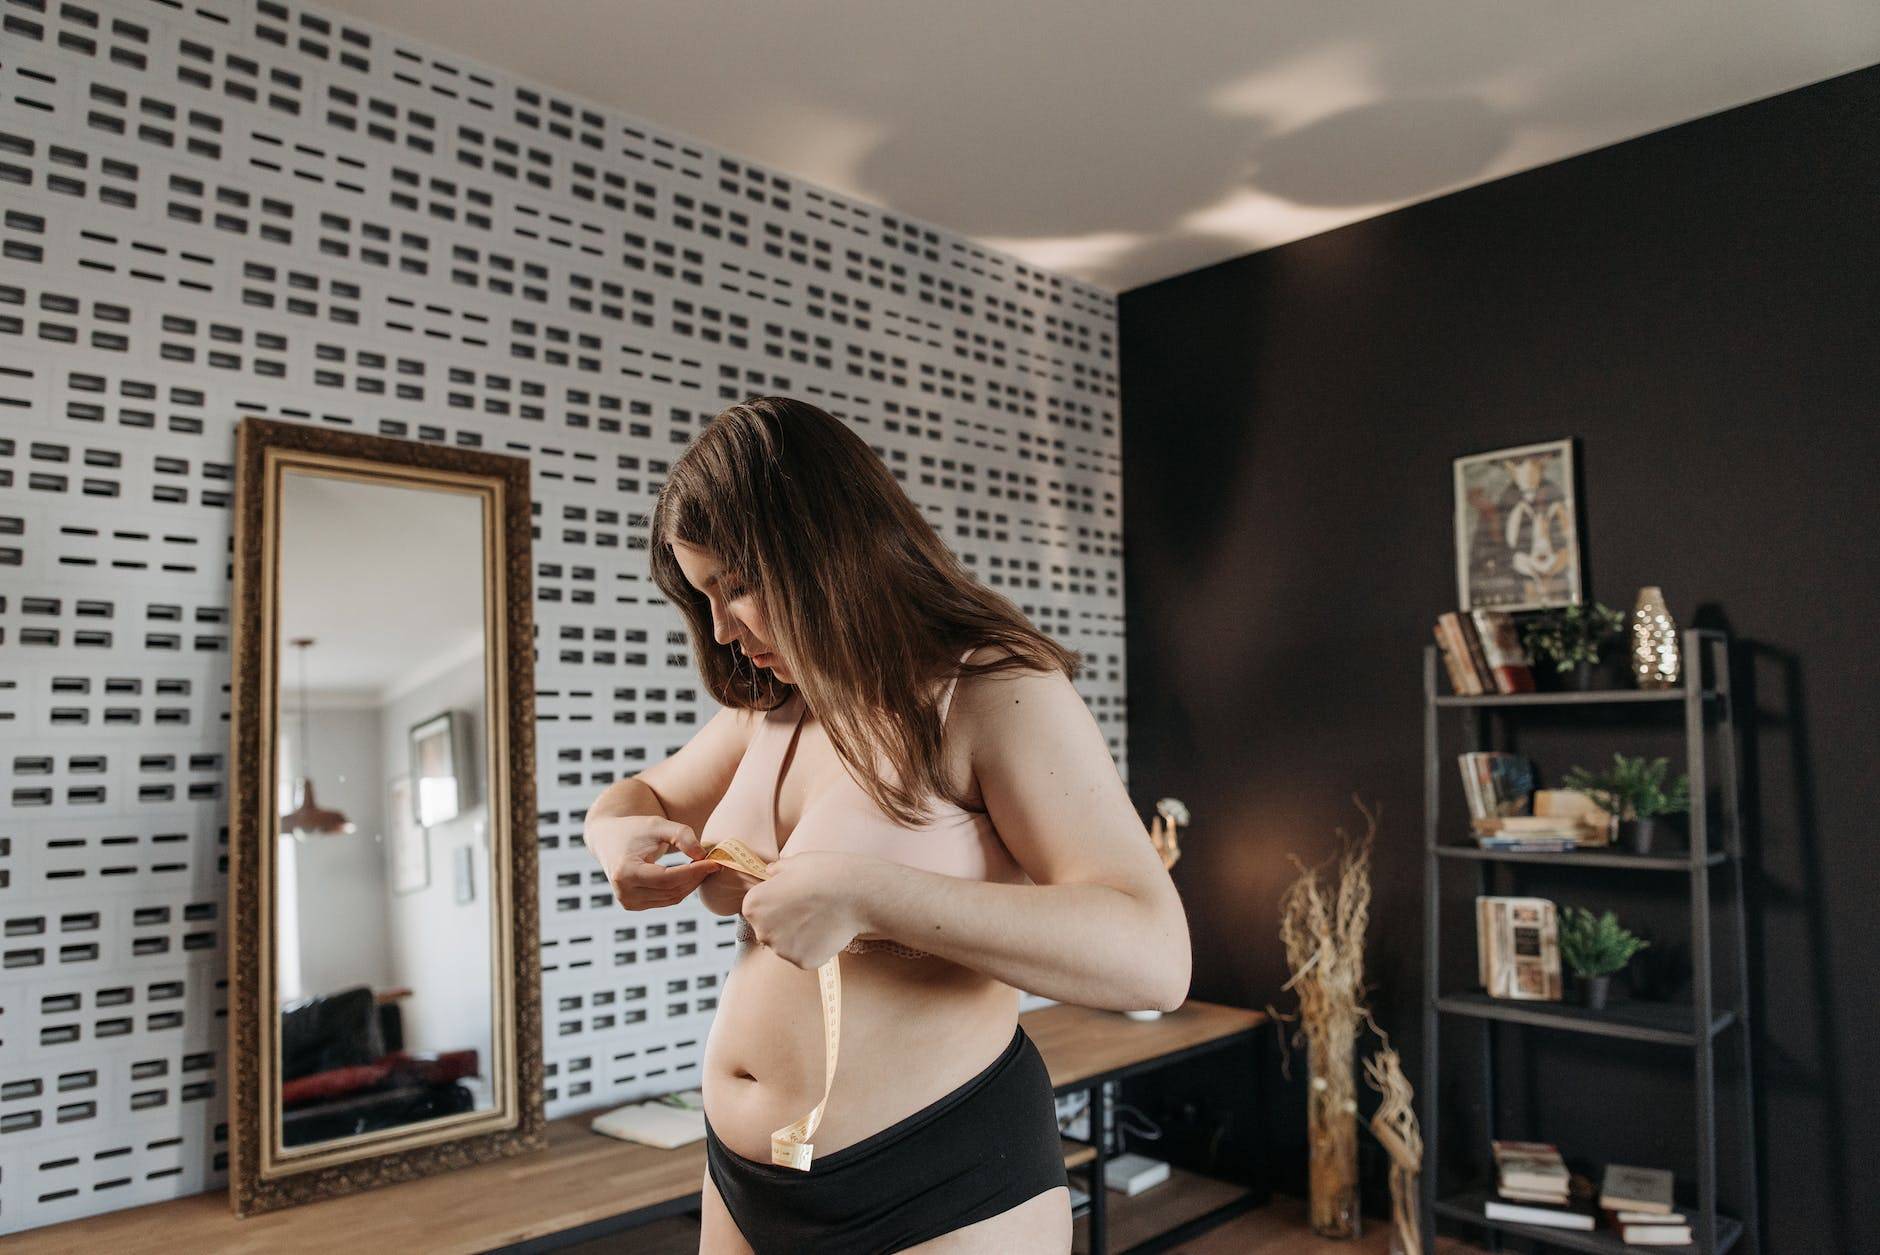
1497	784
1640	1229
1570	827
1478	657
1530	845
1530	825
1463	677
1650	1217
1655	1234
1564	804
1502	651
1532	1166
1531	1196
1629	1189
1497	828
1567	1216
1517	945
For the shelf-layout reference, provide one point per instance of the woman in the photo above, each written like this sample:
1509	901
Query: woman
934	801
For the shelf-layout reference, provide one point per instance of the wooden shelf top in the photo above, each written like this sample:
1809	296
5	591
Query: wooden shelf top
1081	1045
582	1176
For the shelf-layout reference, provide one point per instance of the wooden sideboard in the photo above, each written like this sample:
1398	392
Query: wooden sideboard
584	1180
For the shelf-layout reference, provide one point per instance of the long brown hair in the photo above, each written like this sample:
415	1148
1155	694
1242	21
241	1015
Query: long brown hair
868	604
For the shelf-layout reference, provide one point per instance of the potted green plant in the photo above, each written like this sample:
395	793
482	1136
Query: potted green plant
1593	948
1565	644
1633	792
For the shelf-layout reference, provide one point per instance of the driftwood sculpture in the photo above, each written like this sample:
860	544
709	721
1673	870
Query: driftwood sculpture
1394	1124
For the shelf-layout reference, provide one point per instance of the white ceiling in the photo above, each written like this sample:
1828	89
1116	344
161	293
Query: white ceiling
1123	142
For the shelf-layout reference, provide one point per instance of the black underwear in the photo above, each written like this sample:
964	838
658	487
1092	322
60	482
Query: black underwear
984	1148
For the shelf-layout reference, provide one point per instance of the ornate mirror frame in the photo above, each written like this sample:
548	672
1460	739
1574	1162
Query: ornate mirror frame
262	1175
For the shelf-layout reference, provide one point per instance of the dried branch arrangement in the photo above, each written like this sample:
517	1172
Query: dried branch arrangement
1395	1126
1322	924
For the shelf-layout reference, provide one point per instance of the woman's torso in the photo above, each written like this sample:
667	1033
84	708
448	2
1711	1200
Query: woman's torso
912	1028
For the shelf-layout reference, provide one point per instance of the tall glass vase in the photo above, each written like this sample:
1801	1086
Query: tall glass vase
1332	1133
1655	661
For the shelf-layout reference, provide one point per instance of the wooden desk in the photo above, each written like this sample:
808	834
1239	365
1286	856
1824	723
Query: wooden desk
585	1185
1086	1049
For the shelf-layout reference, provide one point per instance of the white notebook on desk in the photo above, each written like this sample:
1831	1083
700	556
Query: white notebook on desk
655	1122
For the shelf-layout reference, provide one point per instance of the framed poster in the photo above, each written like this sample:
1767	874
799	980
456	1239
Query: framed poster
1518	528
408	845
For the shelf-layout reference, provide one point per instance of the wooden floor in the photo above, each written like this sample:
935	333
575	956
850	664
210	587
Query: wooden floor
1280	1229
1277	1229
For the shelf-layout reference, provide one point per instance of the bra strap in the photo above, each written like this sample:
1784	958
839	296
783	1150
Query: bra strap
946	699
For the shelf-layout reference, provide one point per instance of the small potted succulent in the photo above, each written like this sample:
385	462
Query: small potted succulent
1593	948
1633	792
1565	644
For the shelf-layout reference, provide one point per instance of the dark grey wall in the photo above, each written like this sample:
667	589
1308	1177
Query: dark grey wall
1701	307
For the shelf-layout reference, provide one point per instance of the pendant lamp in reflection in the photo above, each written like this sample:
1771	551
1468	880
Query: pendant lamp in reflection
309	819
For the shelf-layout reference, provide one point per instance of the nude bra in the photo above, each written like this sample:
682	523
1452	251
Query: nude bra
961	844
952	842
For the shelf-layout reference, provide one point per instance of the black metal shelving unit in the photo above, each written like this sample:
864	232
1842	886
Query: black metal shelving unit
1697	1026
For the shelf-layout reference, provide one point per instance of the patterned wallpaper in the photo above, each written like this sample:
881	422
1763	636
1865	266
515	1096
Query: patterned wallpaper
226	208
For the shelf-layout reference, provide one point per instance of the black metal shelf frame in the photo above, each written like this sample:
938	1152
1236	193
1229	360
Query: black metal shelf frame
1696	1026
1582	858
1467	1205
1096	1205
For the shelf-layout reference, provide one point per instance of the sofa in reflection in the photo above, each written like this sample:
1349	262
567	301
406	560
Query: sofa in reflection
344	1069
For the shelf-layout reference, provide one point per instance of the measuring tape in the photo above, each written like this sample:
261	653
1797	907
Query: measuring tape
790	1145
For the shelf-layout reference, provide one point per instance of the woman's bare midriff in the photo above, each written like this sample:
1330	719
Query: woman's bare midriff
913	1030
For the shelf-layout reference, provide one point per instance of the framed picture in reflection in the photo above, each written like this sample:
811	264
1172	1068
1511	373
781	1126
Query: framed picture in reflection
439	763
408	846
465	862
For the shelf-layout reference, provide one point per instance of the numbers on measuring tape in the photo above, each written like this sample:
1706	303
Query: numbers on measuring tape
790	1145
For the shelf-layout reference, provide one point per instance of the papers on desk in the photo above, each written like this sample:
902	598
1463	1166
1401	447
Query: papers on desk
666	1122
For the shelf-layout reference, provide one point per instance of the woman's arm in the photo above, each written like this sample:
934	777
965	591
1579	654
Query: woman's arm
1103	925
627	832
1088	944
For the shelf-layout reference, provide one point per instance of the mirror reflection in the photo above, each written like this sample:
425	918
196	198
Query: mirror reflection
383	966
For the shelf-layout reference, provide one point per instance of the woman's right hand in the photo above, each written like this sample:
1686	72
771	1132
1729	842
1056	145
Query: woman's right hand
629	847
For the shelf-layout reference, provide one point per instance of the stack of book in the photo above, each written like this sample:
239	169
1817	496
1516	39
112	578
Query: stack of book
1483	653
1637	1203
1534	1187
1506	811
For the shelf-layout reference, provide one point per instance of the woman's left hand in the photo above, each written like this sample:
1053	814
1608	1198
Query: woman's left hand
811	907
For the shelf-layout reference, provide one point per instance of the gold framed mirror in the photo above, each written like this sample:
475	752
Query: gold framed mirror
384	966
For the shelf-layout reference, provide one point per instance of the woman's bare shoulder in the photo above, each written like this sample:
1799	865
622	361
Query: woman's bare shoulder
982	699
